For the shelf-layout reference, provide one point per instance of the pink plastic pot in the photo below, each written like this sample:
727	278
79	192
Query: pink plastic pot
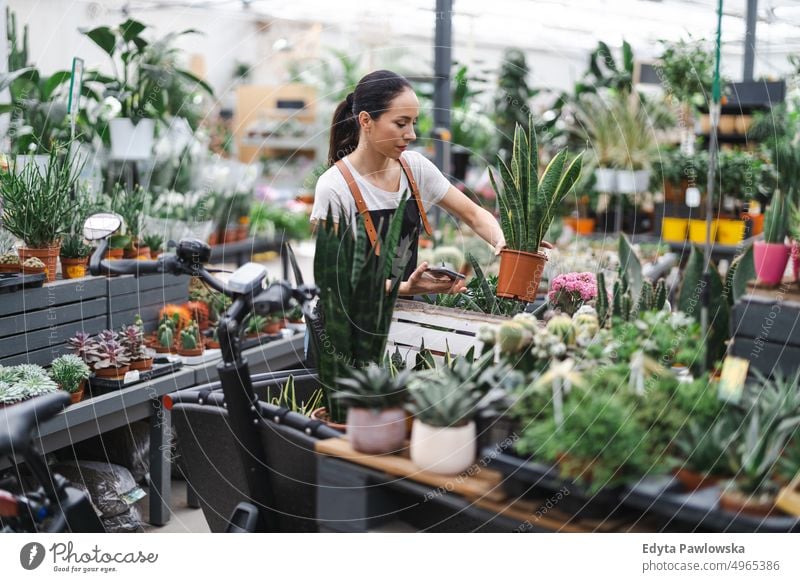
376	433
770	261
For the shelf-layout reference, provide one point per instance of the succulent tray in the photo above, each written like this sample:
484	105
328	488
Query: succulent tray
11	282
161	367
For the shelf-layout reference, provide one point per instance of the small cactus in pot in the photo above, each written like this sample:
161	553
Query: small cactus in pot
190	342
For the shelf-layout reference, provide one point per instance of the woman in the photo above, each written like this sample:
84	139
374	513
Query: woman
371	169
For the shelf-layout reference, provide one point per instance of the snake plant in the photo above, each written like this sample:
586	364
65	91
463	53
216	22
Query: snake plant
776	219
528	203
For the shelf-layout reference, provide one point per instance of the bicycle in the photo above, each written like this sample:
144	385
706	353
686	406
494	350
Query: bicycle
246	289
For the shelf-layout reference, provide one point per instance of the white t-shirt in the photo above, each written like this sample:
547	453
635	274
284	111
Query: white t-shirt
332	187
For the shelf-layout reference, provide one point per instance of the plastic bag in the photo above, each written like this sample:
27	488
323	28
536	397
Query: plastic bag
111	487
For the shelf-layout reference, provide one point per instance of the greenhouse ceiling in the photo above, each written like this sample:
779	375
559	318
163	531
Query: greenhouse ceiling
554	25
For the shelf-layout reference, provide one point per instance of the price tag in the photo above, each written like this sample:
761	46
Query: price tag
130	377
731	382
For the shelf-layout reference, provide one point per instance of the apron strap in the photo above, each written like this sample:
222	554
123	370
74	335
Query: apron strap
415	194
360	204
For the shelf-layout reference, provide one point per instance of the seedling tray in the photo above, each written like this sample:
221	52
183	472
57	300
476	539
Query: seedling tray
98	386
666	497
524	478
12	282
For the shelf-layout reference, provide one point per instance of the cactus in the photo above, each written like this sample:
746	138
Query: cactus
166	335
627	306
661	295
561	326
646	297
617	300
602	300
512	337
190	336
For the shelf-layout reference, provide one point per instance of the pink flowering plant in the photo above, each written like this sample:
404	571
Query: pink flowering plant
571	290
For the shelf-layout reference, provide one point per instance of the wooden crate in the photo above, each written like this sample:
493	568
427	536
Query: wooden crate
442	329
36	323
145	295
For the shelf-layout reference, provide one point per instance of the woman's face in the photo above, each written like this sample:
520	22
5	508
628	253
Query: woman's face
392	131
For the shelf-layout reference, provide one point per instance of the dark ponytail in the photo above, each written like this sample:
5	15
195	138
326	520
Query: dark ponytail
373	94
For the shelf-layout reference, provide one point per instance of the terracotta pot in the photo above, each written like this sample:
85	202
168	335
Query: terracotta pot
737	502
584	225
376	432
74	268
162	350
443	450
571	222
76	397
154	254
189	353
520	274
321	415
692	480
211	344
6	268
757	220
144	253
272	328
114	254
49	256
244	231
130	252
142	364
770	261
33	270
112	373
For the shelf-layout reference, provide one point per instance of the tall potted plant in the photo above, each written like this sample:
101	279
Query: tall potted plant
36	204
772	254
527	208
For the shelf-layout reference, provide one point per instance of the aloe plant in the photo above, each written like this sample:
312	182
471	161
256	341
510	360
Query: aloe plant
68	371
373	387
529	204
776	219
255	324
356	307
438	400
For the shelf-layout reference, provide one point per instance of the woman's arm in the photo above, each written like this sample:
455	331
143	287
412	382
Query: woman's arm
480	220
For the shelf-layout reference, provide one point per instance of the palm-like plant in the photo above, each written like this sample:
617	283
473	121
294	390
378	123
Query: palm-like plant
529	204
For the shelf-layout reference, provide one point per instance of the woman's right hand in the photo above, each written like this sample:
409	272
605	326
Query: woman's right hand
422	283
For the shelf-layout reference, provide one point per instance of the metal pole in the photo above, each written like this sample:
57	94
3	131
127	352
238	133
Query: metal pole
750	40
442	97
714	110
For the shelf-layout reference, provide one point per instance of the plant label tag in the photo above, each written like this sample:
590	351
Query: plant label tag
692	197
130	377
732	379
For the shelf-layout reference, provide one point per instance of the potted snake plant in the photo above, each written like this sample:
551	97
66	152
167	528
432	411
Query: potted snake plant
374	398
772	254
528	206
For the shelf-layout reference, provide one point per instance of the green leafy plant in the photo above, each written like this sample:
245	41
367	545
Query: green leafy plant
437	399
18	383
131	206
356	303
68	371
373	387
776	219
511	102
74	247
190	336
686	68
527	204
154	242
287	398
35	202
255	324
705	449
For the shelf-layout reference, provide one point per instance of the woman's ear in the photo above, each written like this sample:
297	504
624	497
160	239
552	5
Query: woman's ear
364	120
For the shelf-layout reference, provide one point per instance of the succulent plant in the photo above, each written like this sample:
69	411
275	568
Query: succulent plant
166	335
9	259
153	241
7	242
776	219
190	337
295	314
439	400
67	371
82	343
561	327
11	393
18	383
132	338
513	337
255	324
33	263
74	247
372	387
110	354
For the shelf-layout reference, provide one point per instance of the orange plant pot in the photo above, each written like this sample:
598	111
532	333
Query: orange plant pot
49	256
520	274
74	268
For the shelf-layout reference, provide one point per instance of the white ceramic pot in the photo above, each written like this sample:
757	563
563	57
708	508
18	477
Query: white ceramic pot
629	182
605	180
129	141
376	432
447	451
